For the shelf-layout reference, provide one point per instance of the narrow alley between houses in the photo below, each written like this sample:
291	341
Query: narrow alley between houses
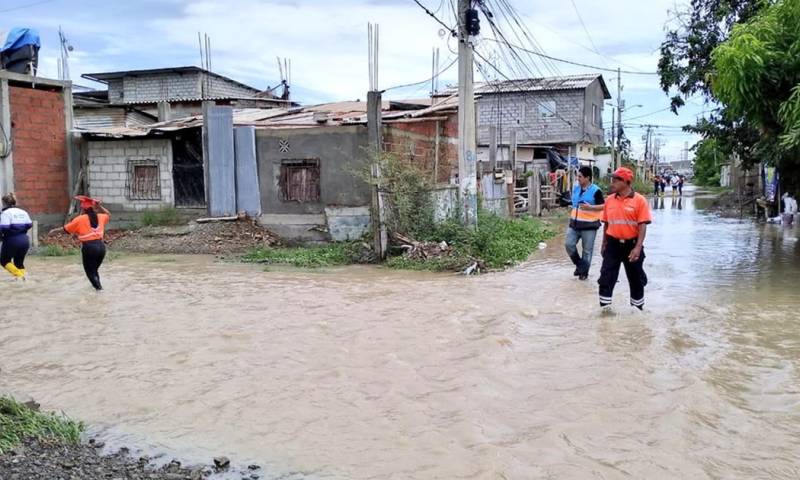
364	372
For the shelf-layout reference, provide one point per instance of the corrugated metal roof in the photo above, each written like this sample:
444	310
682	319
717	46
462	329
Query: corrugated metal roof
568	82
110	117
326	115
104	77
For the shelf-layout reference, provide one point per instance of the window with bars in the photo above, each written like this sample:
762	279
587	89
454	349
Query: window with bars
144	180
299	180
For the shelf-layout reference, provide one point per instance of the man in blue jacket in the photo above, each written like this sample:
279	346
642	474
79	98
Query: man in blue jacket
584	220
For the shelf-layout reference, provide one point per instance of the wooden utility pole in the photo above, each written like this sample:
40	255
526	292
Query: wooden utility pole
466	120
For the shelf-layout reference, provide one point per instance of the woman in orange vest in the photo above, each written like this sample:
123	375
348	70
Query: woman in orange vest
89	227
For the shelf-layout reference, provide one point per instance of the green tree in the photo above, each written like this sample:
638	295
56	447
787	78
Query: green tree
708	158
686	66
757	77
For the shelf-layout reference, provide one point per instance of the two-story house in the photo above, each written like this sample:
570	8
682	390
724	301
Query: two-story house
565	113
177	92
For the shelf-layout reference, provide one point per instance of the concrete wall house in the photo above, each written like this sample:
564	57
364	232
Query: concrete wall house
131	174
307	163
35	136
177	92
560	112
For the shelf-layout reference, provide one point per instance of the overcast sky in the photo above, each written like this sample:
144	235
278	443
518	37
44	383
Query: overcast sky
327	43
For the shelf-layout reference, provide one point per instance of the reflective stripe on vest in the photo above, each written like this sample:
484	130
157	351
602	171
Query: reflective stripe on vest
586	215
589	218
93	235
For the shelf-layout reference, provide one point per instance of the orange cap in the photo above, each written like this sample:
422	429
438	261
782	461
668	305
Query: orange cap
623	173
86	202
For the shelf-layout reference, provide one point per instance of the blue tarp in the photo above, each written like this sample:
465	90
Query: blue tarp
19	37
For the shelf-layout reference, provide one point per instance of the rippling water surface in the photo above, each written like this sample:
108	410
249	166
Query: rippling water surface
366	373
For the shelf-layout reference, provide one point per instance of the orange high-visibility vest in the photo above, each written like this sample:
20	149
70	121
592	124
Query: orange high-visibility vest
82	227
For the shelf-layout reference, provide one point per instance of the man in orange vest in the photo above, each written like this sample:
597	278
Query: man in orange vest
625	218
584	220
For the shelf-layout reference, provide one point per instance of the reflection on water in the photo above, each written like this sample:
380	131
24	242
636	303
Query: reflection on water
362	373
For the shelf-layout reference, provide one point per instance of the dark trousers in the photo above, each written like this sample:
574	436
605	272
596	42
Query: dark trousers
14	249
616	254
93	254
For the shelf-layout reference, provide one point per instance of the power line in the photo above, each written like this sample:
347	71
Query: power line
570	62
586	30
648	114
433	16
423	81
20	7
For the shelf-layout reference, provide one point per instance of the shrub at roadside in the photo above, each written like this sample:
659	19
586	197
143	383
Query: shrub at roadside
496	243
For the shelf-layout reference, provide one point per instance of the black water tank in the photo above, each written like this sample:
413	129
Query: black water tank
23	60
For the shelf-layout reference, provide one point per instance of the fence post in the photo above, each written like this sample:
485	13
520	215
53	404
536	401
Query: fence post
535	194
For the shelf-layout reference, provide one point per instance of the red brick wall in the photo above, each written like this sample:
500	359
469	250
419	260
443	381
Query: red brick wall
40	150
416	142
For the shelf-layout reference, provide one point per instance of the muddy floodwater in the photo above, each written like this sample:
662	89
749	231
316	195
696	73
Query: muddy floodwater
367	373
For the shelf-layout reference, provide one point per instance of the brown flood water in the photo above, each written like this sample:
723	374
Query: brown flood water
366	373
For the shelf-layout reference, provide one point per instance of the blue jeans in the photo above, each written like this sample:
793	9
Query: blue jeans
586	237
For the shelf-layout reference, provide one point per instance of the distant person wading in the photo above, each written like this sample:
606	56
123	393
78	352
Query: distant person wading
89	227
587	207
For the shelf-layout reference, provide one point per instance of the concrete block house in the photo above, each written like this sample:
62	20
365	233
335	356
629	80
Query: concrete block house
177	92
35	138
565	113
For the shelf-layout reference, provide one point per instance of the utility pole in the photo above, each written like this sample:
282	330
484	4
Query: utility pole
375	140
647	148
466	118
620	108
613	149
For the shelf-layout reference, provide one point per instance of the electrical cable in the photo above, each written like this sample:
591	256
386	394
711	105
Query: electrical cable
423	81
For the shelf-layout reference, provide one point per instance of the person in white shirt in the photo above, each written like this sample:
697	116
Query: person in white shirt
675	181
14	225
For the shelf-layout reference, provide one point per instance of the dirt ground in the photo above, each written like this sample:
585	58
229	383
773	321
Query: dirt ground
35	460
216	238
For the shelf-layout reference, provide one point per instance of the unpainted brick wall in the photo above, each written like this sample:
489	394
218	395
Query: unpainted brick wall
108	172
416	142
39	137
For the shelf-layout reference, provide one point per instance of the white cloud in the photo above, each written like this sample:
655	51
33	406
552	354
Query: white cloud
327	42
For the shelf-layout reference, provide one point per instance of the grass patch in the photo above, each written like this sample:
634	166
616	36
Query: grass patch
342	253
443	264
159	218
18	422
497	243
58	251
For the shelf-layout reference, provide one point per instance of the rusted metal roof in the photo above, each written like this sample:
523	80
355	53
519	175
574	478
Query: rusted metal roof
325	115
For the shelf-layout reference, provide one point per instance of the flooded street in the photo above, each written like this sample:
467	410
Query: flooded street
367	373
